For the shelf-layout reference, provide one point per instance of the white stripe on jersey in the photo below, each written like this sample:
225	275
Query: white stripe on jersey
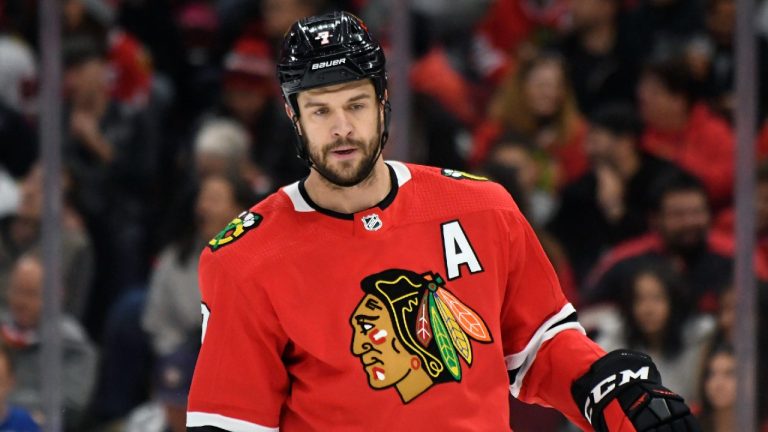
402	172
521	362
199	419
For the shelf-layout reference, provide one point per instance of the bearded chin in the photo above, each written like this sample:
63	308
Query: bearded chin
358	175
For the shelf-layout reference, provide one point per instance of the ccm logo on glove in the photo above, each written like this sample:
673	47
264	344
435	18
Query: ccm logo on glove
601	390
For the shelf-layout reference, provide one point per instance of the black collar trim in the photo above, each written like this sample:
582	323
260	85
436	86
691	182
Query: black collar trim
382	205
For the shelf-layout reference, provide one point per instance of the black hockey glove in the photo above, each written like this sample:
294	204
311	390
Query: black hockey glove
622	392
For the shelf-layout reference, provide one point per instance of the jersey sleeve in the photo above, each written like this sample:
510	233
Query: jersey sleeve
545	347
240	382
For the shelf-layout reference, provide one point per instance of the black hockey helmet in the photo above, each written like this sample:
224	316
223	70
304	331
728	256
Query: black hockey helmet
329	49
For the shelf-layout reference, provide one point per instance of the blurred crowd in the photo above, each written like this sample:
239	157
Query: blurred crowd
609	121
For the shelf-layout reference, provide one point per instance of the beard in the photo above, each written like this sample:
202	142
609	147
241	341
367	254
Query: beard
687	242
350	172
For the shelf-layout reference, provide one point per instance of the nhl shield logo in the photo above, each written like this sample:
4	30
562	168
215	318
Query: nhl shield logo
372	222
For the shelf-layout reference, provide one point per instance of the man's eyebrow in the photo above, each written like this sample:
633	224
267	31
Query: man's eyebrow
310	103
359	97
362	317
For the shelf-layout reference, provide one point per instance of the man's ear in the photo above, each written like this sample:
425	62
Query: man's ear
294	118
289	111
383	105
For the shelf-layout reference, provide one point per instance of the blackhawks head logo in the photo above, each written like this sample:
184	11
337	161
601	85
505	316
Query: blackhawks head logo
235	229
409	332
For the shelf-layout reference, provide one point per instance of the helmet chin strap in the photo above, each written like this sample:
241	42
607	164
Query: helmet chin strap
303	151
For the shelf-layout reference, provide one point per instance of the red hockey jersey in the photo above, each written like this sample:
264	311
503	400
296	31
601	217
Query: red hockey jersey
418	314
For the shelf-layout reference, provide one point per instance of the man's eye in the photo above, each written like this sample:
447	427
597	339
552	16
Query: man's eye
366	327
321	111
357	107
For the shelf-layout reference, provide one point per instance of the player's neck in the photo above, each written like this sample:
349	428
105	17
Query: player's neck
348	200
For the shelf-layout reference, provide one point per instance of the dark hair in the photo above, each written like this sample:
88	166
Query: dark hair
718	347
674	182
675	75
80	48
619	119
674	287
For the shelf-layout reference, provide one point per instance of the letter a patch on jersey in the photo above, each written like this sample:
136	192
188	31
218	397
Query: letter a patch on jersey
458	251
235	229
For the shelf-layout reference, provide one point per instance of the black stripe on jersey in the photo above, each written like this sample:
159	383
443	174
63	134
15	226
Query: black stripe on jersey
382	205
570	318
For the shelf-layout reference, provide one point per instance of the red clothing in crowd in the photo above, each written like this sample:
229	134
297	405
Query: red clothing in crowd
507	24
132	68
725	224
705	148
762	142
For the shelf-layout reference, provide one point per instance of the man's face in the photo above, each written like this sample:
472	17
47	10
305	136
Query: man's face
215	206
684	220
375	342
87	80
657	103
600	146
341	128
586	14
25	293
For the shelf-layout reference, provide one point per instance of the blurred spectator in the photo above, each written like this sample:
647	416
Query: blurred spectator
250	96
20	331
725	223
12	418
223	147
278	15
167	410
655	318
537	101
718	390
686	132
726	334
20	234
680	234
510	31
610	203
111	150
129	63
661	28
601	65
515	155
711	57
172	312
126	364
18	106
512	166
9	194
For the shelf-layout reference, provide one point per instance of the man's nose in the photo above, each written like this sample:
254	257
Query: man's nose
342	126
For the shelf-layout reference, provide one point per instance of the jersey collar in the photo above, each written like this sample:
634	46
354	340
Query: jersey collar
398	173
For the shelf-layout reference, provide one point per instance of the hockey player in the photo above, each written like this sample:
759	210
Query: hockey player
383	296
